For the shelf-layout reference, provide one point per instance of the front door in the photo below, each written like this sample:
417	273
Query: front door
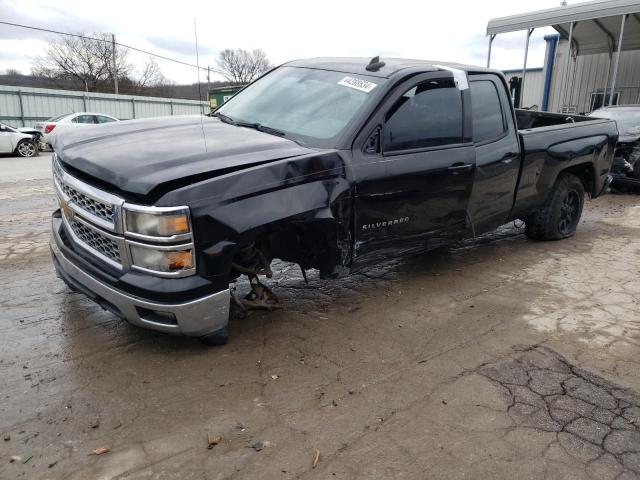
415	173
6	139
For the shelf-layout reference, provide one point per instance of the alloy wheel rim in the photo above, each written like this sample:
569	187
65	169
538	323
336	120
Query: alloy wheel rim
569	212
27	150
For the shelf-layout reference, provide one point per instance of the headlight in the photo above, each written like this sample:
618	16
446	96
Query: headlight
157	223
167	260
160	239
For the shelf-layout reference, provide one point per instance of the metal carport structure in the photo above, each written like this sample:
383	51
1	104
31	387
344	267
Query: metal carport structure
601	26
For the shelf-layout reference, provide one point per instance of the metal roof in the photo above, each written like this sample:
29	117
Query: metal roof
597	28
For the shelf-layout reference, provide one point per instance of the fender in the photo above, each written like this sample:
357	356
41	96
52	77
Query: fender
298	206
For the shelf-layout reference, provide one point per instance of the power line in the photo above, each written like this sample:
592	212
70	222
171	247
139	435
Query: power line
107	41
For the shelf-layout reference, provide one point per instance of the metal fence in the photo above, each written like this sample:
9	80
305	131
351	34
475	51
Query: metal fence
24	106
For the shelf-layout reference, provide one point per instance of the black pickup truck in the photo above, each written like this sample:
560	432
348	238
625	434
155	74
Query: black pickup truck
329	163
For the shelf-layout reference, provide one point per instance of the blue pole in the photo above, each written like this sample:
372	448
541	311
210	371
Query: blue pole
551	55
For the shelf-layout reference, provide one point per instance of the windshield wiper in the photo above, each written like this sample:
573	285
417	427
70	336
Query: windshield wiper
261	128
254	125
224	118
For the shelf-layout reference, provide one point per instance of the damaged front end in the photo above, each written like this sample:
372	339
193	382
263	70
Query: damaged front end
626	167
296	210
251	262
323	245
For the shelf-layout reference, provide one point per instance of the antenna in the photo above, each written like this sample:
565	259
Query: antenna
195	34
375	64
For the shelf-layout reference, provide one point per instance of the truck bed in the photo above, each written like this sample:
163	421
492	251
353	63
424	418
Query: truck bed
551	143
528	119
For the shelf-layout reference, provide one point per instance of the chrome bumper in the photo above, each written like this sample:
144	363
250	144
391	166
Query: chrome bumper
195	318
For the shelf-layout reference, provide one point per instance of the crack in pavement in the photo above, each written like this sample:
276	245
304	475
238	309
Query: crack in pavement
594	420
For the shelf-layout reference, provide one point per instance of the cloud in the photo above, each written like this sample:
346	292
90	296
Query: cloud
443	31
48	16
180	46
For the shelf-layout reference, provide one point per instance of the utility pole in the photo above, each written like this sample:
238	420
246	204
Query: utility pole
208	86
115	70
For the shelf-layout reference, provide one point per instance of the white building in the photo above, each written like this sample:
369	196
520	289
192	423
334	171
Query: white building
533	87
604	65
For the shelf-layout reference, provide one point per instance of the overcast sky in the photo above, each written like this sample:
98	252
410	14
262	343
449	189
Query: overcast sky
286	30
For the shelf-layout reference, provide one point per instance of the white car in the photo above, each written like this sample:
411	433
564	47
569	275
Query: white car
13	140
51	127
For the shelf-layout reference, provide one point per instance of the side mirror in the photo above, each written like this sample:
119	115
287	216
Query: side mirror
372	145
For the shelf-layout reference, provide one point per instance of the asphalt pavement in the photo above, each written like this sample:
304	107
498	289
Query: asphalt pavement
498	358
25	169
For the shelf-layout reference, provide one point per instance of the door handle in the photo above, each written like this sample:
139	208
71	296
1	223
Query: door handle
508	157
460	167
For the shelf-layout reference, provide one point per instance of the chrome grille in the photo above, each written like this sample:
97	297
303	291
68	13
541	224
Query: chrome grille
96	240
89	205
93	220
98	209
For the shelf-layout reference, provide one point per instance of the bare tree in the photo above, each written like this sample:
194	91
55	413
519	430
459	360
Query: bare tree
86	61
242	66
150	75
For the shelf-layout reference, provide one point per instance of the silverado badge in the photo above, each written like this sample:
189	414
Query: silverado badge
385	223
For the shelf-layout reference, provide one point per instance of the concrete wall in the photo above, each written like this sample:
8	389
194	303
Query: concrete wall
24	106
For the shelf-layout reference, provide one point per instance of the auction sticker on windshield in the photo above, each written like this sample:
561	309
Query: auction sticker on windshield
358	84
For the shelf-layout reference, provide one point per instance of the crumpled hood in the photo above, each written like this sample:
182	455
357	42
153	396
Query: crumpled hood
628	134
138	155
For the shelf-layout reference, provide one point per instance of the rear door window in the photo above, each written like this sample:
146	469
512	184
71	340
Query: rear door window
104	119
427	115
84	119
488	118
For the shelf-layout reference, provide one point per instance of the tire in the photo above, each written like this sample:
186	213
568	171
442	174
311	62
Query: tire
27	148
636	170
558	218
220	337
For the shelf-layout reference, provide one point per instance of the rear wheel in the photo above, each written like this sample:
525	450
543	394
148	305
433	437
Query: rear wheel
636	169
27	148
559	216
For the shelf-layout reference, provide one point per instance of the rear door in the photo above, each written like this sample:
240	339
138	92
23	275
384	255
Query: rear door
413	188
497	152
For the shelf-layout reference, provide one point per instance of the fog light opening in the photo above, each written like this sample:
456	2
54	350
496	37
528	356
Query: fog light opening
157	316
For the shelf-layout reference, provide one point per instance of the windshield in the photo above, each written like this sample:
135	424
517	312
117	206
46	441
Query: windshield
9	127
310	106
58	118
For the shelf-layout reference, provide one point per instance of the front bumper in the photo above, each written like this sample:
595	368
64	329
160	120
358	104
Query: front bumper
197	317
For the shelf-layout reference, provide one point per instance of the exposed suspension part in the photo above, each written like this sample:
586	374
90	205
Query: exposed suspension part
252	262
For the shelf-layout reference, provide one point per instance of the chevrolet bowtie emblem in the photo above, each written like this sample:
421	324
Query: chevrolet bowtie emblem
66	209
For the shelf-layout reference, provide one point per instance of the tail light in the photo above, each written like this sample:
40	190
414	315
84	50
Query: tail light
49	128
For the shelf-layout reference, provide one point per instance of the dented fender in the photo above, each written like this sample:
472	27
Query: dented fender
272	202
